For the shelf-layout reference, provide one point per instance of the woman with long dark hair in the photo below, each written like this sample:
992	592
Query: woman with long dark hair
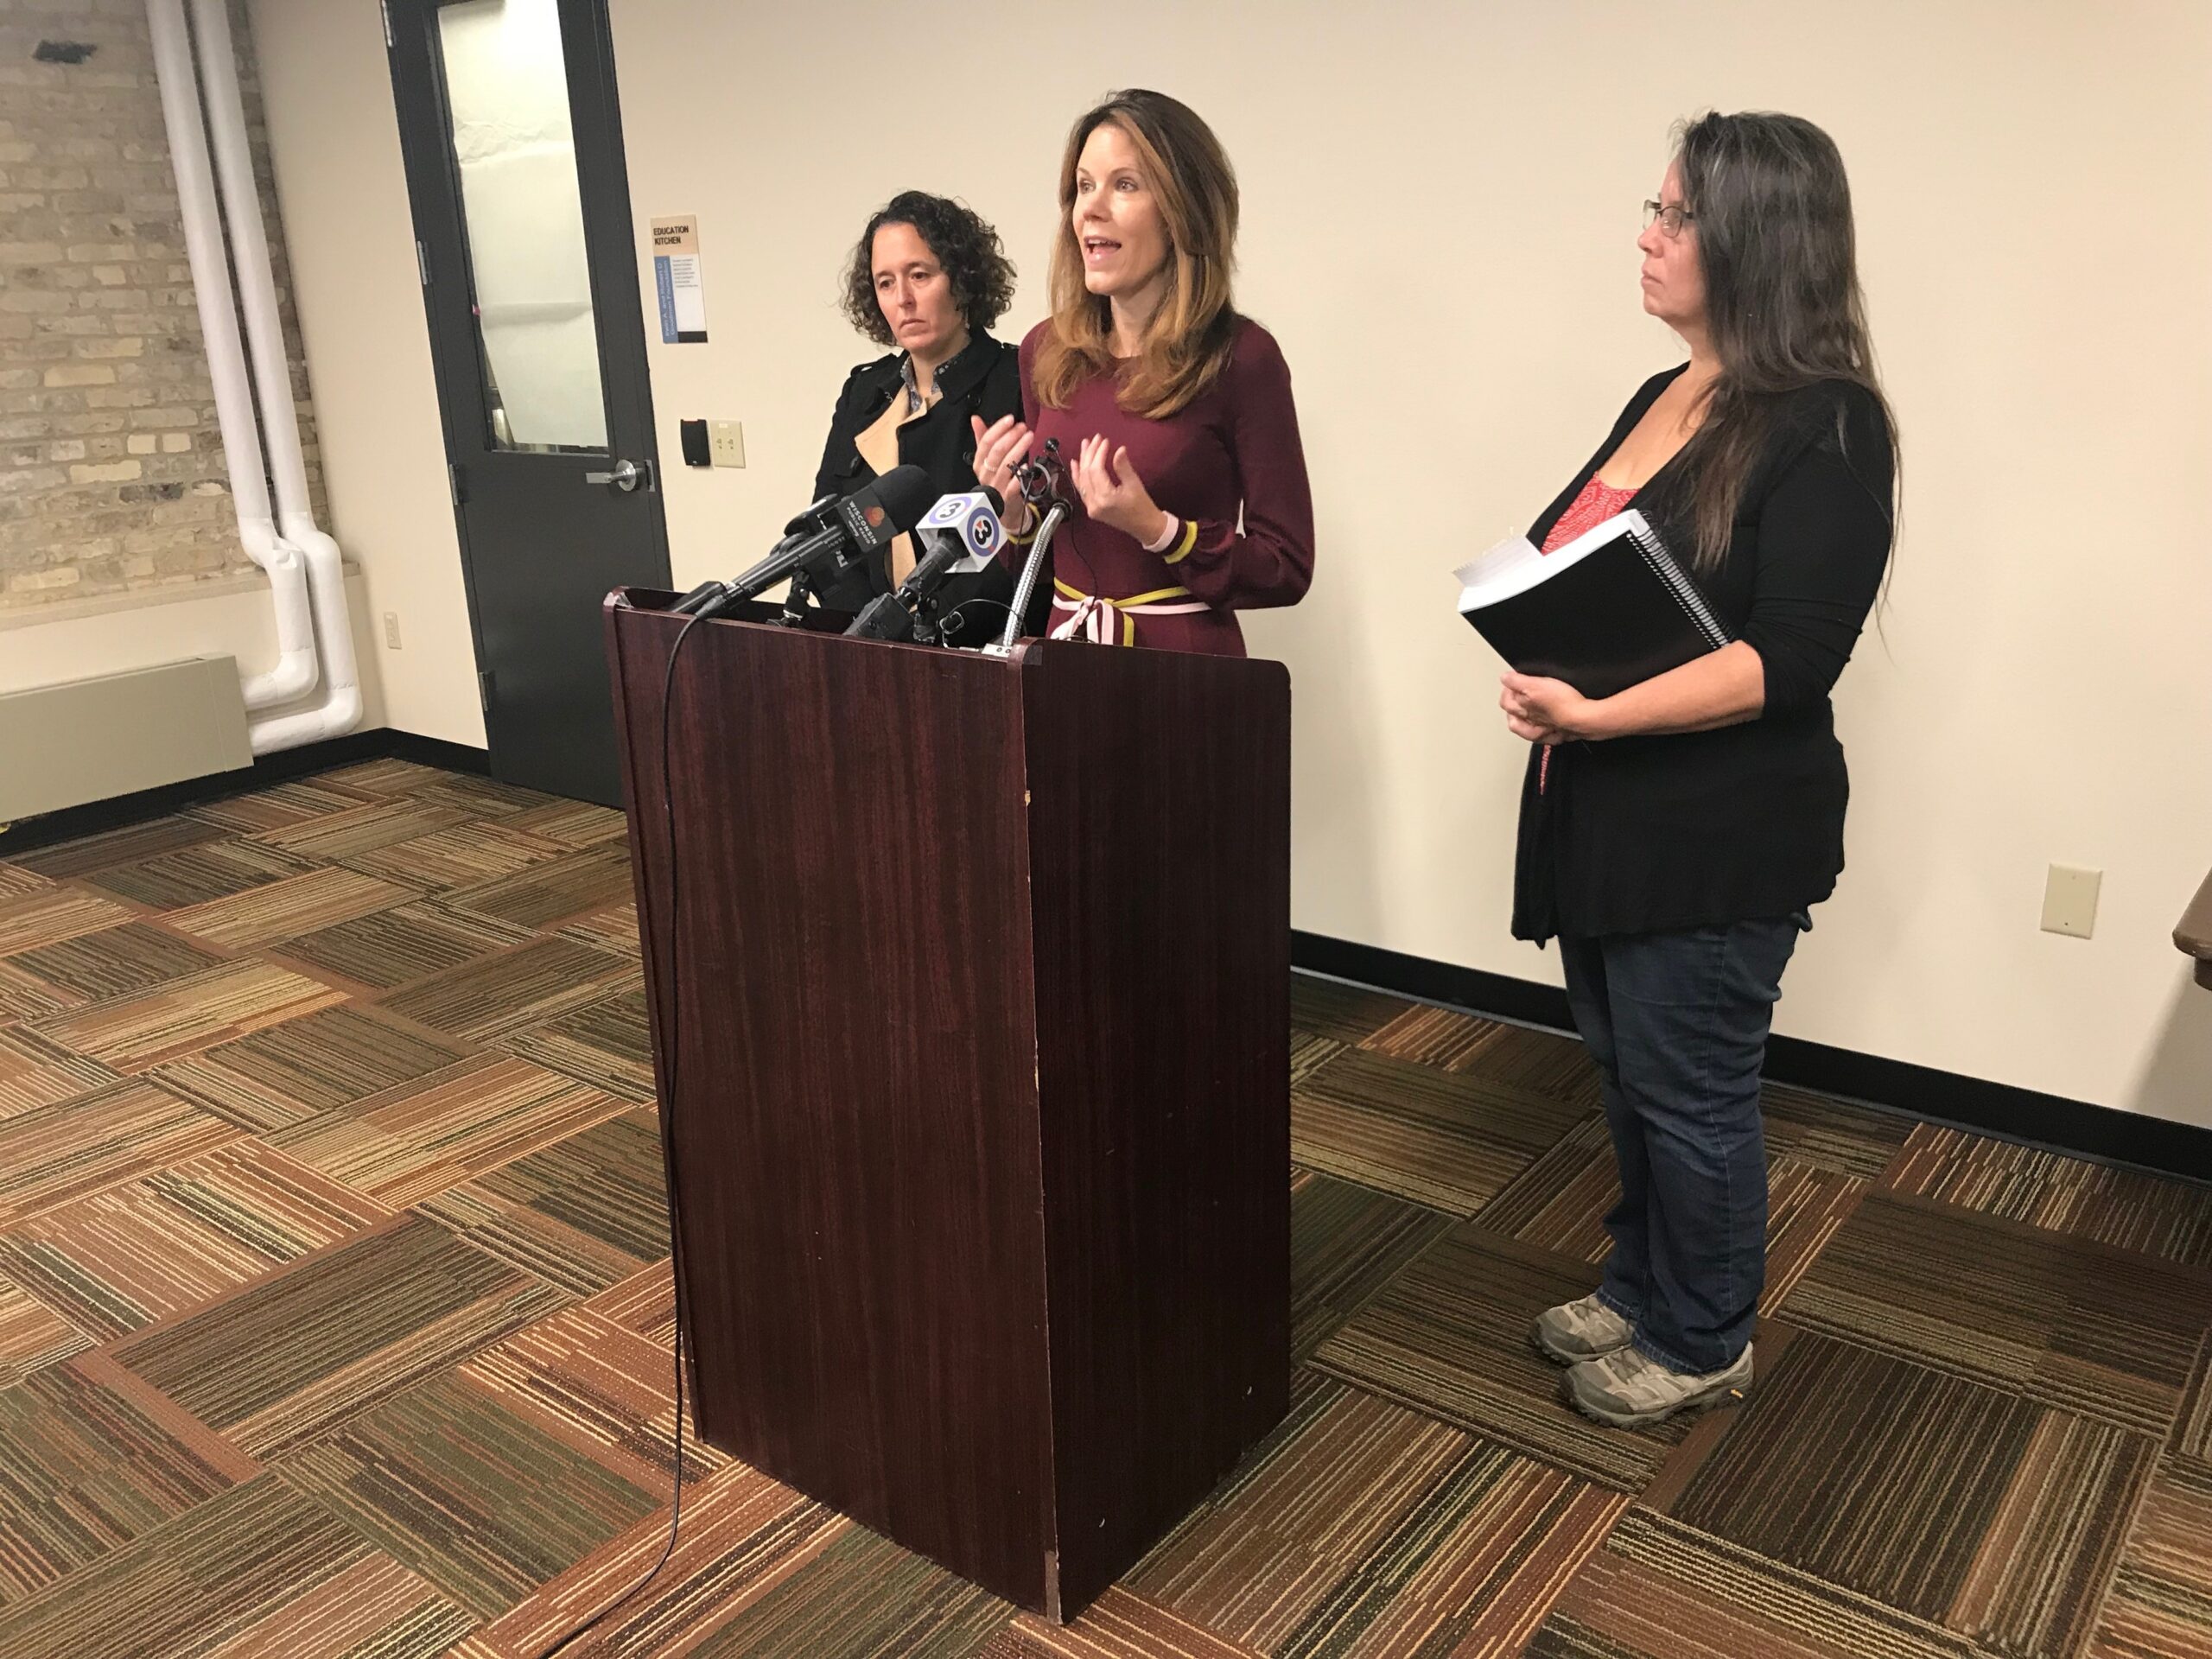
1173	412
1674	836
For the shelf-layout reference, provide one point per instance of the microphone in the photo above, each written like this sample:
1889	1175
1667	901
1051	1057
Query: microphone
864	521
959	529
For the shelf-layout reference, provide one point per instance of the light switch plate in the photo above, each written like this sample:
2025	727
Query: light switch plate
2069	901
727	439
392	630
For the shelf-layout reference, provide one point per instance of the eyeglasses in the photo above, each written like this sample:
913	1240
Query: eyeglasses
1670	217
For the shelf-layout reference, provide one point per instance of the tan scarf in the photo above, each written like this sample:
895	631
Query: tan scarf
879	446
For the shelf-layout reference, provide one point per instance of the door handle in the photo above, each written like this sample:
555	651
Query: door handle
626	475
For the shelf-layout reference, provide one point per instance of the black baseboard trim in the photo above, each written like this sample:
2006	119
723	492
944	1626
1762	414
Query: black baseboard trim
27	835
2074	1127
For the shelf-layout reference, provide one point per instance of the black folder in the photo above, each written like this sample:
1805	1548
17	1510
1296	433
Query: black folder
1611	608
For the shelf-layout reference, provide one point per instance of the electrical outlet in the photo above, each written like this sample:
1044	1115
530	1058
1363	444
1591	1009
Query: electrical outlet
2069	901
726	440
392	630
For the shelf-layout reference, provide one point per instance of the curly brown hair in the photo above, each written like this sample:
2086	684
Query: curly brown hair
965	245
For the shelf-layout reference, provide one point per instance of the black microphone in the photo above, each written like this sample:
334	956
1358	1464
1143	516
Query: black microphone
863	522
959	527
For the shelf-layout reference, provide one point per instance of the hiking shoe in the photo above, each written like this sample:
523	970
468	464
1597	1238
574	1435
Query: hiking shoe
1627	1389
1578	1331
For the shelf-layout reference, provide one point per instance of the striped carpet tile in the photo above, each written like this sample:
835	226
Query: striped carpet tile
329	1336
1450	1141
55	914
608	1182
195	875
527	986
862	1594
55	1155
136	1253
2192	1431
1660	1590
207	1577
284	910
1973	1510
412	1142
396	947
382	779
466	1495
598	1387
84	1471
116	962
533	1243
1830	1135
2170	1220
465	854
1309	1054
2161	1602
277	805
35	1072
1345	1244
1364	1531
1449	1336
1438	1036
1351	1013
2106	1333
375	1609
361	829
1118	1625
296	1071
32	1335
613	928
543	894
608	1044
22	997
15	880
743	1535
480	797
572	823
120	1259
90	854
644	1304
220	1005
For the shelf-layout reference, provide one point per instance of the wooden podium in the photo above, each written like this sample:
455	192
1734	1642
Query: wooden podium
980	1129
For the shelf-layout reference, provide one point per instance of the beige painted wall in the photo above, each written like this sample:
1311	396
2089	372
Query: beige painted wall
336	143
1439	202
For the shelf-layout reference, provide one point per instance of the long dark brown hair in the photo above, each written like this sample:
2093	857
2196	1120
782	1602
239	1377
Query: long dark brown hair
1782	306
1192	335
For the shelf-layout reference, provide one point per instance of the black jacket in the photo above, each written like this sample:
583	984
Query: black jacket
1642	834
984	379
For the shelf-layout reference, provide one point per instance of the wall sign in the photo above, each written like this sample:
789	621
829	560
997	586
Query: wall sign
676	274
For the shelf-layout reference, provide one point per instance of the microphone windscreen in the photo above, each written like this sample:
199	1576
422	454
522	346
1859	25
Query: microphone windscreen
905	495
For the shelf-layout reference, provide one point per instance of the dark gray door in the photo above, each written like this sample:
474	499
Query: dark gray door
513	149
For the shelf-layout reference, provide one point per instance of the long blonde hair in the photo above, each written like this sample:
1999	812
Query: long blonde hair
1189	340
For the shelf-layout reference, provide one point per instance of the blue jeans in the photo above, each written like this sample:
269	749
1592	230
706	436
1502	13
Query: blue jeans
1677	1023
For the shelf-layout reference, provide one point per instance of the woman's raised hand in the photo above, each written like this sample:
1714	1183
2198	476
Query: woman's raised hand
1001	447
1115	495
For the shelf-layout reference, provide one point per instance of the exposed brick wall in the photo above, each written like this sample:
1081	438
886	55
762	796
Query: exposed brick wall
112	470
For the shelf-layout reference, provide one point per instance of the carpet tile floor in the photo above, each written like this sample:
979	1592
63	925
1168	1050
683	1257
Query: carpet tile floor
336	1323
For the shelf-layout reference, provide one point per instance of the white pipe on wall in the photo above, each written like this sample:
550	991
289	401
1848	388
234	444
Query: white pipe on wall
295	670
339	711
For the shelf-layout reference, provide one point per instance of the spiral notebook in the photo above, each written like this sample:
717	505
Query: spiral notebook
1611	608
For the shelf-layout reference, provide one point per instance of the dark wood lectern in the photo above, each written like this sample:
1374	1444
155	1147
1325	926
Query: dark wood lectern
981	1124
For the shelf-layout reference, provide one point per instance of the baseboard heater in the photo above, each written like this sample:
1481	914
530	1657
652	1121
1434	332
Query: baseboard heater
92	739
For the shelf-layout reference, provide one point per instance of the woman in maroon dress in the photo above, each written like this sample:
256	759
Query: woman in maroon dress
1172	412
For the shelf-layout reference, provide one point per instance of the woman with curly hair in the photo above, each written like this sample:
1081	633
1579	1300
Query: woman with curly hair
927	278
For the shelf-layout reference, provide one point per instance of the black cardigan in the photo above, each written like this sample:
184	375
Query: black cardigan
984	379
1639	835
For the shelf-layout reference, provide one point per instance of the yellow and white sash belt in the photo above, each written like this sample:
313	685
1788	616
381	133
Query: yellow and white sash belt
1092	618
